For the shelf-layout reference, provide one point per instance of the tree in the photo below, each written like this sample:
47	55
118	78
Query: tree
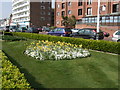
72	21
65	21
69	21
10	19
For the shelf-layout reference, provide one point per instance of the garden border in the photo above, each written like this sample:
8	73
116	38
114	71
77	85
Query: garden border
99	45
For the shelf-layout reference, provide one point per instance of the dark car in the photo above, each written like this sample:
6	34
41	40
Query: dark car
6	28
88	33
32	30
106	34
61	32
21	29
40	29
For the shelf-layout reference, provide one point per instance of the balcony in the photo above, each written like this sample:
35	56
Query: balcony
21	11
21	16
25	4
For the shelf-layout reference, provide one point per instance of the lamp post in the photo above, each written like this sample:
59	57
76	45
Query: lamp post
98	20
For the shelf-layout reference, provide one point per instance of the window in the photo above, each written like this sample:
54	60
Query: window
49	2
80	3
118	33
58	22
69	11
63	13
103	7
58	13
58	6
42	13
42	18
89	11
81	31
48	13
63	5
42	7
115	18
49	8
115	8
69	3
89	2
87	32
42	1
79	12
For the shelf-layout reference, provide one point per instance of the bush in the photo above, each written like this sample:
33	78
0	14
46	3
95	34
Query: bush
100	45
11	76
8	33
12	38
52	27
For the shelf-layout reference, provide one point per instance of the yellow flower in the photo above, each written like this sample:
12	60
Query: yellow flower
80	46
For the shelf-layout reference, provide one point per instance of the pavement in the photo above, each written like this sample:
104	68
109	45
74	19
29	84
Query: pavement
43	33
108	38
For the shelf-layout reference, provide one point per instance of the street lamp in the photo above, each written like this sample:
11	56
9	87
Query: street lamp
98	20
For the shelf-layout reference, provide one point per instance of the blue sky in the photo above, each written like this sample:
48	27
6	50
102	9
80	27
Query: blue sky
6	8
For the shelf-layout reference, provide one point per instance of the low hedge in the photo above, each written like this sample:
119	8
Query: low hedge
11	76
12	38
100	45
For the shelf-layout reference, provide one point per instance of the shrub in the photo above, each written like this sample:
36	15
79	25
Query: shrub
100	45
8	33
11	76
12	38
52	27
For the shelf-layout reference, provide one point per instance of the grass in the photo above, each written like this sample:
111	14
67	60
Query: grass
98	71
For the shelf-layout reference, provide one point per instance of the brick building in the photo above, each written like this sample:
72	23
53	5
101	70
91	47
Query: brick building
32	13
85	12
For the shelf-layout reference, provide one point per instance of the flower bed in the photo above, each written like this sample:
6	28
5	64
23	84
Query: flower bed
45	50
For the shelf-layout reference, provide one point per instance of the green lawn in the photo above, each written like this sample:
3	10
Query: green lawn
98	71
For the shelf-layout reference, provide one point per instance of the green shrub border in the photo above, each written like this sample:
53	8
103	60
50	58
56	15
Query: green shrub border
12	38
11	75
100	45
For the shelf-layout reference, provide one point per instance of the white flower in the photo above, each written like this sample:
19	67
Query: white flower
56	52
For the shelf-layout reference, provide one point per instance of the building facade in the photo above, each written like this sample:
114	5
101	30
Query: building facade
31	13
85	12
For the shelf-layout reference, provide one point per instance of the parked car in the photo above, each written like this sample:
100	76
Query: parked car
32	30
21	29
46	29
60	32
88	33
40	29
116	36
106	34
6	28
1	28
74	30
12	28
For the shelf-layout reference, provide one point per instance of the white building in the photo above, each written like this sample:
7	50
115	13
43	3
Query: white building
31	12
21	12
4	22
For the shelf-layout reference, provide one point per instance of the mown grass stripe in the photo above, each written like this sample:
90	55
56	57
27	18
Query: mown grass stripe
79	73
